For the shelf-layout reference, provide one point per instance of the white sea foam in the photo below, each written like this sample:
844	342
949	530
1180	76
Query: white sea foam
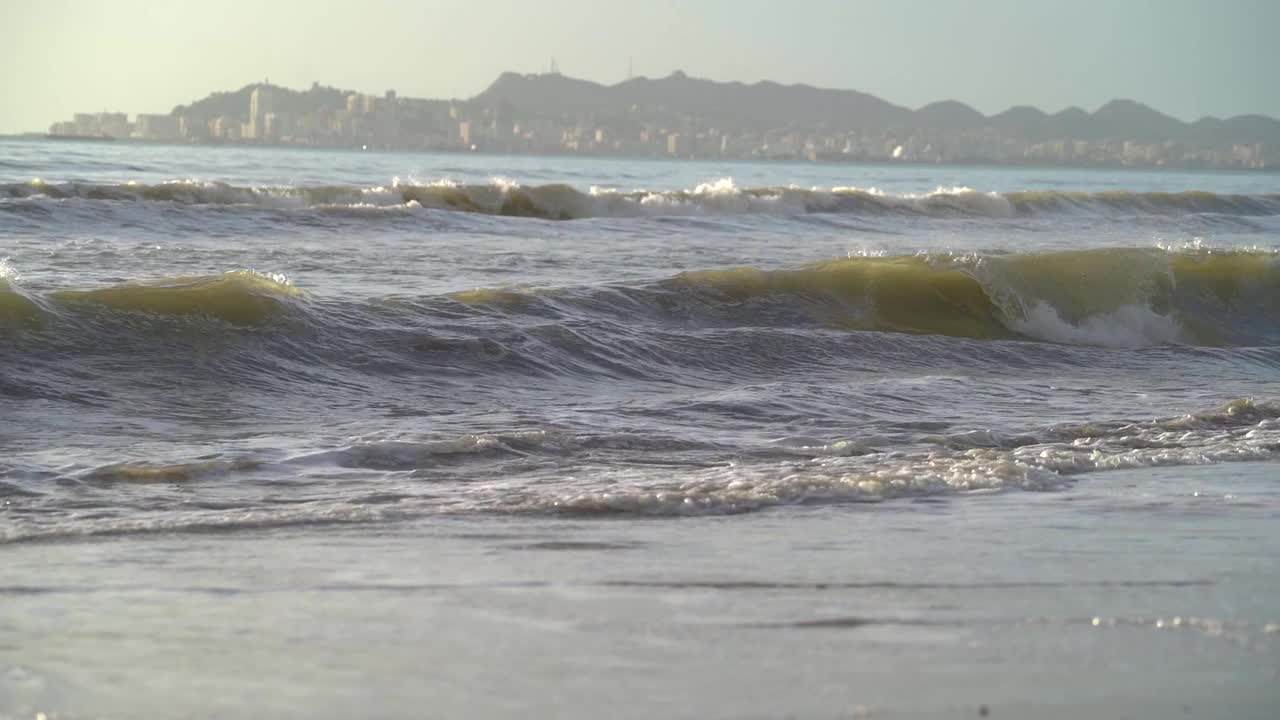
1240	431
194	521
715	196
504	183
1125	327
7	271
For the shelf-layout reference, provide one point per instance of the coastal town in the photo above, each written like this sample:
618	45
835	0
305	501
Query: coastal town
497	121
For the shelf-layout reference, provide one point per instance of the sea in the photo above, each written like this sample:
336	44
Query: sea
302	433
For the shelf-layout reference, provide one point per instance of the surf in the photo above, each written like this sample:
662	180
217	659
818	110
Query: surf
241	297
1111	297
1116	298
559	201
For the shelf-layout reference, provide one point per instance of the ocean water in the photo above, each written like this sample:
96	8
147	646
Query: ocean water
291	433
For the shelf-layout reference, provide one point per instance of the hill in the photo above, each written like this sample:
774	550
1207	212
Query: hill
235	103
766	105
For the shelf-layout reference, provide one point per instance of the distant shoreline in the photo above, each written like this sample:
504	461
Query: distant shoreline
46	137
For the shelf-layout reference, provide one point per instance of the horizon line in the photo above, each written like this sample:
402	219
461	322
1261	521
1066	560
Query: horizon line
681	74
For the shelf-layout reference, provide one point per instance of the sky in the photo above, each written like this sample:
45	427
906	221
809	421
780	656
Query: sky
1187	58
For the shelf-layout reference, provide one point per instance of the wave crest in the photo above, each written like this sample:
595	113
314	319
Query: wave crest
241	297
1128	297
721	197
1113	297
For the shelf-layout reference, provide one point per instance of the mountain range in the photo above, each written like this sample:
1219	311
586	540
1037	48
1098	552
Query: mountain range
765	105
768	105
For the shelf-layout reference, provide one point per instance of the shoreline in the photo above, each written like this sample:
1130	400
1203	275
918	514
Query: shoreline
781	161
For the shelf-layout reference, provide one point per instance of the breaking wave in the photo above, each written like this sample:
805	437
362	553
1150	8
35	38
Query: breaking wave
241	297
1112	297
563	202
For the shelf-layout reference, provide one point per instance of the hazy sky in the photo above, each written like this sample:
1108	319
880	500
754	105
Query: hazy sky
1184	57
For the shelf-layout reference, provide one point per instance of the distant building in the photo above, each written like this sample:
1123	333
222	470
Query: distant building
225	127
192	129
156	127
86	124
260	103
278	126
115	125
678	144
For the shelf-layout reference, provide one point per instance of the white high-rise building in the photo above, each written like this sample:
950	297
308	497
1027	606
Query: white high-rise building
259	105
155	127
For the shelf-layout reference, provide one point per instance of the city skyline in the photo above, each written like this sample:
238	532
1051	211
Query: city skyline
1190	59
684	117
